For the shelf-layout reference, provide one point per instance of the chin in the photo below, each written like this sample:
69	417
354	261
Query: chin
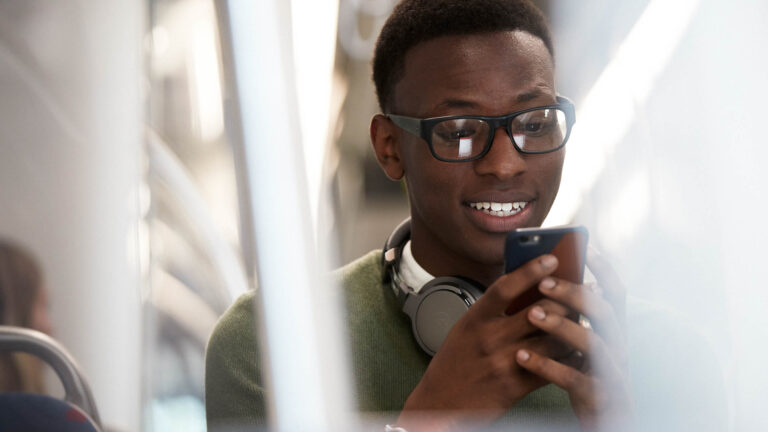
493	255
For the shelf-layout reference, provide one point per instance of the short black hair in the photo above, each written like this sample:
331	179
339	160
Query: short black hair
416	21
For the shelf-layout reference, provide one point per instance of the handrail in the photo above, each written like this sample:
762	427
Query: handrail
39	344
167	167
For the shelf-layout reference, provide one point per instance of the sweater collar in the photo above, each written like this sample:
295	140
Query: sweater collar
411	272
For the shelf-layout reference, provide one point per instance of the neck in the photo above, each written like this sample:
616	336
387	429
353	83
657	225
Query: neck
439	259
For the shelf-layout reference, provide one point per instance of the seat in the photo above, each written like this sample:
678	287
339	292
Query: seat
41	413
30	412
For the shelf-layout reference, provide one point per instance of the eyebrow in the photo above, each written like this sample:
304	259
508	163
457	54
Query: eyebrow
456	103
461	103
531	95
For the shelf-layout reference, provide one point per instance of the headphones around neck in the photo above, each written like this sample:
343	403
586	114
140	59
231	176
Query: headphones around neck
436	307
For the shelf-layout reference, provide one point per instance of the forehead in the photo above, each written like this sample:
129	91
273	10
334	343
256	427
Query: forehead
488	72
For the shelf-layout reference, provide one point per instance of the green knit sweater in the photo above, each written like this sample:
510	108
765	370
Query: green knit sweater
387	362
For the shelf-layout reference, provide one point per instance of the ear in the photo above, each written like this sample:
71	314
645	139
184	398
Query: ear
386	144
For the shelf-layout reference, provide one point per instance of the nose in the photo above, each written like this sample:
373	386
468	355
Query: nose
502	161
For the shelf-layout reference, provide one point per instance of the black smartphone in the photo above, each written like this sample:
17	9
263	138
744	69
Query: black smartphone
568	243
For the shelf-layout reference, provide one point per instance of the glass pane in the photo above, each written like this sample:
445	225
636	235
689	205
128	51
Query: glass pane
539	130
460	138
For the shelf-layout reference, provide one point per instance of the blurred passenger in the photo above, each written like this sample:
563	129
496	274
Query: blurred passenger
473	124
23	303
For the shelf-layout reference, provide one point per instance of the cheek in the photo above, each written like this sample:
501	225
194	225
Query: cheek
423	176
426	189
547	174
434	187
548	171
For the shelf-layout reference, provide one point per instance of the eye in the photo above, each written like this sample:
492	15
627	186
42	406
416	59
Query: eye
537	123
456	134
450	132
534	126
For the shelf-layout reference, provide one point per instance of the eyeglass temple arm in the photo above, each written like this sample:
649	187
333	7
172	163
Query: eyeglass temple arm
410	124
563	99
570	112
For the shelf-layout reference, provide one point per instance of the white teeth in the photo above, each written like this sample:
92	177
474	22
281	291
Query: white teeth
499	209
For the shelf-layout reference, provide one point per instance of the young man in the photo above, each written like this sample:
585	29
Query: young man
473	124
497	66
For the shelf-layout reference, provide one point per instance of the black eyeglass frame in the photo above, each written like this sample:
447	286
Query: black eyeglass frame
422	128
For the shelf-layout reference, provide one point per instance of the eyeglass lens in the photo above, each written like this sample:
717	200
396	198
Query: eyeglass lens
533	132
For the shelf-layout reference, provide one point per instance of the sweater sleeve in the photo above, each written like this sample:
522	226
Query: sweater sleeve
234	395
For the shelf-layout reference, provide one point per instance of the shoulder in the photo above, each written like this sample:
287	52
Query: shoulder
361	281
232	351
233	391
236	328
366	270
236	323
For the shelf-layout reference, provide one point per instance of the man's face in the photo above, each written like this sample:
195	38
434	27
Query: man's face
488	74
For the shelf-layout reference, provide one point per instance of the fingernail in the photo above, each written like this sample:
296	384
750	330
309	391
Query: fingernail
523	355
547	283
548	261
538	313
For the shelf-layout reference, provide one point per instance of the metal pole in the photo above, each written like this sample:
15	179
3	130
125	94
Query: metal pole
302	349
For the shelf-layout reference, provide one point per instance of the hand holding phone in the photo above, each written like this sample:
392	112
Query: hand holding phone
567	243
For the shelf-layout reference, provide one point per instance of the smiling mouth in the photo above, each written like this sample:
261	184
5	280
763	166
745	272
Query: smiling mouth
499	209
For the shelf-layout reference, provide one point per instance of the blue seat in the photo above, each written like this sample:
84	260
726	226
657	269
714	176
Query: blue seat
27	412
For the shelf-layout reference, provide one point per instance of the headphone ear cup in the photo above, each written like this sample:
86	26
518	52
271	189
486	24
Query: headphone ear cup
437	307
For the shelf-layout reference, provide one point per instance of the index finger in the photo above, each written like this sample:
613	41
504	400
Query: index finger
508	287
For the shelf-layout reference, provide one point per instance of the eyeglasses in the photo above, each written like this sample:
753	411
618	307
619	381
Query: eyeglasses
535	130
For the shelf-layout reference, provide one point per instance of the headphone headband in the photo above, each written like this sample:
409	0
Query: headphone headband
393	247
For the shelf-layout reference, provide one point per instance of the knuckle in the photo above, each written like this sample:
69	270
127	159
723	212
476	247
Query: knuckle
571	379
551	306
498	366
504	288
546	304
530	271
569	290
556	321
515	389
487	344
